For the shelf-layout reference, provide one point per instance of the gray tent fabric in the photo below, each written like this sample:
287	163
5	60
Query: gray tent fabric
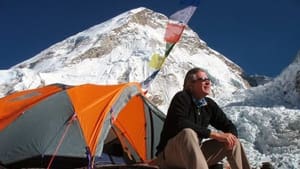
46	122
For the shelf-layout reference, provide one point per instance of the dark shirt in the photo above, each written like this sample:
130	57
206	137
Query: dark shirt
184	113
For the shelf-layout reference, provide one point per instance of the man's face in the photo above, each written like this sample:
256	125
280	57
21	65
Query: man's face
201	86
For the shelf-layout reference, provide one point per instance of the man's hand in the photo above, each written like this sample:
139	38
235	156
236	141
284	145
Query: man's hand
229	139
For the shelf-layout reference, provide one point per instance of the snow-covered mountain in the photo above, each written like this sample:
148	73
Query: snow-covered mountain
119	50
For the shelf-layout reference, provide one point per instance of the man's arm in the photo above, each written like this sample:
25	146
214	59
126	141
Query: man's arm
219	119
229	139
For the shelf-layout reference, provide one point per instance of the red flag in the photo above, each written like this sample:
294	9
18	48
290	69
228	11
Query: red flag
173	32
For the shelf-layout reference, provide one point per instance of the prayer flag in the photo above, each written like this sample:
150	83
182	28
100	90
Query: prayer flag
156	61
172	36
184	15
173	32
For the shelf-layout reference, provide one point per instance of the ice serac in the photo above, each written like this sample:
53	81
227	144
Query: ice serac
289	81
268	118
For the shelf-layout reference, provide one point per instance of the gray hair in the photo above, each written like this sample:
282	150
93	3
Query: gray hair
190	77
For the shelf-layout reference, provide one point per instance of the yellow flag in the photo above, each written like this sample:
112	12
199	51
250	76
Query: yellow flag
156	61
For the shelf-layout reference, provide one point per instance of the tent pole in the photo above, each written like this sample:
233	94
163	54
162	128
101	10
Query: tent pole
89	157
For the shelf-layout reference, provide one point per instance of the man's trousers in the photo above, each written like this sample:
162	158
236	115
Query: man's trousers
185	151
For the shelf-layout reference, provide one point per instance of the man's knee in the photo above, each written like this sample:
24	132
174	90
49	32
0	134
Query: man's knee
188	134
237	144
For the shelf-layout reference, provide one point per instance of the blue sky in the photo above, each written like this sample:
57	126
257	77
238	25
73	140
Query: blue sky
261	36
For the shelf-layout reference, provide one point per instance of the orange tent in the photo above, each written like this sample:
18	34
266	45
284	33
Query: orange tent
61	125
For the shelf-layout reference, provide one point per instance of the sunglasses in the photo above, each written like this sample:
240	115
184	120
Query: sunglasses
203	79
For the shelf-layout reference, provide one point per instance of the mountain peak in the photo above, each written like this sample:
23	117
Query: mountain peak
120	49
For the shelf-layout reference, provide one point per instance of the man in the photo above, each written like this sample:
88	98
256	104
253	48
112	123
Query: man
185	127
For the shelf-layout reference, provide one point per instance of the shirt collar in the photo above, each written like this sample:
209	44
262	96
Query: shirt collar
200	102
